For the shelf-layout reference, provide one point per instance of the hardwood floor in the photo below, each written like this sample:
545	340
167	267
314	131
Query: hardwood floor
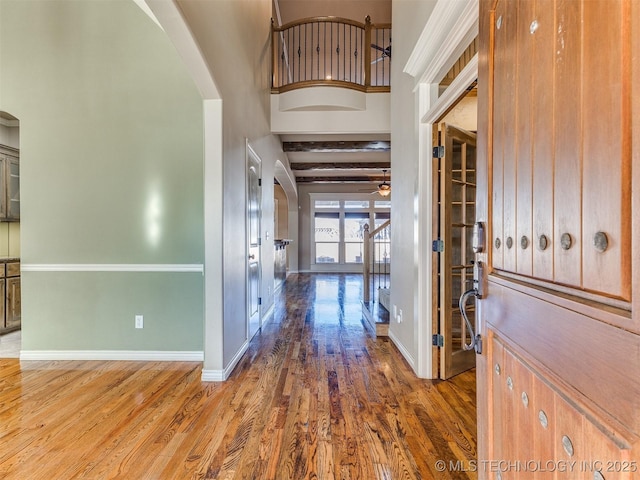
314	397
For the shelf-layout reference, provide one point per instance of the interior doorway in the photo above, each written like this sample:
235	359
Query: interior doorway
10	282
454	188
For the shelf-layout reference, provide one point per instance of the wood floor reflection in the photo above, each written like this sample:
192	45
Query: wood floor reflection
314	397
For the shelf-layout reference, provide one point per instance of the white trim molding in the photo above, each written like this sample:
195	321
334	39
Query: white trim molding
403	350
454	91
450	29
109	267
223	375
115	355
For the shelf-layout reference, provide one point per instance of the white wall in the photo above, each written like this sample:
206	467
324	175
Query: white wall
111	174
330	110
233	36
412	15
465	114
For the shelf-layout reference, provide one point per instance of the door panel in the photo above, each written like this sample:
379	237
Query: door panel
496	241
566	189
524	184
254	211
509	164
542	134
606	161
457	214
564	332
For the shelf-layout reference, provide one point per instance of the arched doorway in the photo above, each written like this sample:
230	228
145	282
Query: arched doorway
10	291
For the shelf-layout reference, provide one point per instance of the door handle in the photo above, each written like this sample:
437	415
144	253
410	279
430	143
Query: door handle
252	257
476	292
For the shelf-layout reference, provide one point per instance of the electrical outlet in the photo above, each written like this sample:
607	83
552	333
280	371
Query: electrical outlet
399	317
139	321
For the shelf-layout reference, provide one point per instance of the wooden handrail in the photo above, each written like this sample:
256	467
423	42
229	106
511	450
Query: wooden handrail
329	19
380	228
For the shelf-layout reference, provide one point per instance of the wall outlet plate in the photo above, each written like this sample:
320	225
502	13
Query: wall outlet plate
139	321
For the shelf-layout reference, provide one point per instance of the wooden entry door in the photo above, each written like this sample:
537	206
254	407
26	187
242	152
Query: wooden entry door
559	374
457	178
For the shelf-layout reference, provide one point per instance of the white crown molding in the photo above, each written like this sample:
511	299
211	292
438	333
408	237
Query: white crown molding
115	355
451	27
223	375
108	267
454	91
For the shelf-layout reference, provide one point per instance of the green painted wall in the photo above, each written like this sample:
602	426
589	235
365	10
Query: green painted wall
111	173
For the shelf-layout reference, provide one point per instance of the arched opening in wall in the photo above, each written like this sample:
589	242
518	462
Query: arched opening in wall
10	291
281	234
285	229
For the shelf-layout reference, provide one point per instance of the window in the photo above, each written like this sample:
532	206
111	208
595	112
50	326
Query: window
354	235
327	237
338	229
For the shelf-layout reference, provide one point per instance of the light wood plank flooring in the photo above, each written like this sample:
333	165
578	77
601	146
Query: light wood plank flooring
314	397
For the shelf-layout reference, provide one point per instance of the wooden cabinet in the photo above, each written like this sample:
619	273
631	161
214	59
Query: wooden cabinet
9	184
10	291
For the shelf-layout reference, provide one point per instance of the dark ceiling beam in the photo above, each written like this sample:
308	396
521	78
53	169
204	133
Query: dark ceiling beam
337	146
341	165
345	179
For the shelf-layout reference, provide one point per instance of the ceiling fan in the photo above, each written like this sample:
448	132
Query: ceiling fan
384	188
386	52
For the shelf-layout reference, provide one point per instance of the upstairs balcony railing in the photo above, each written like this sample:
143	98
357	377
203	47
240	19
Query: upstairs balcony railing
331	51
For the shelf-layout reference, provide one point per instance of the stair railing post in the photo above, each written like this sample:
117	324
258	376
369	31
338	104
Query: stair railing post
365	265
367	51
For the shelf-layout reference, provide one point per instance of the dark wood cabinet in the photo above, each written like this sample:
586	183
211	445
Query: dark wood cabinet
10	307
9	184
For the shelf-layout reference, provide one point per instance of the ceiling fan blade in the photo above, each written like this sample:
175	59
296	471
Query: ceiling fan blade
377	47
378	60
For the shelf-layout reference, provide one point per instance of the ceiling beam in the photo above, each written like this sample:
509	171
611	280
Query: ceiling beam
341	166
337	146
345	179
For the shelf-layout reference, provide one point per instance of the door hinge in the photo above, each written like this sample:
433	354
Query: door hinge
438	245
438	152
259	300
259	182
259	241
438	340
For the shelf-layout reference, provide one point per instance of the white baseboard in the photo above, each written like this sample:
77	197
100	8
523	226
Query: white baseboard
403	351
268	315
115	355
223	375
